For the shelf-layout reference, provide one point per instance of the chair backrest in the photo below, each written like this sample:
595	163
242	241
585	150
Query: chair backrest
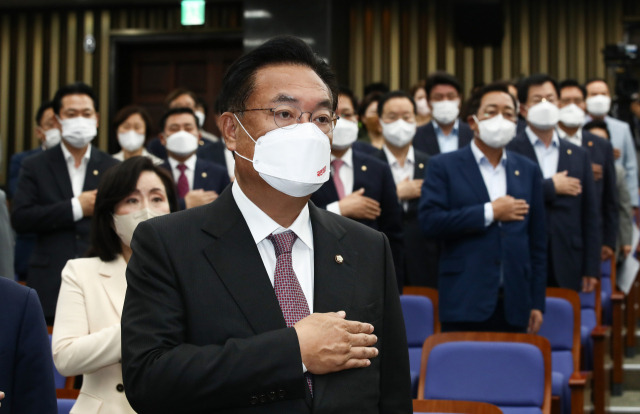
561	326
452	406
592	301
504	369
65	405
432	294
419	325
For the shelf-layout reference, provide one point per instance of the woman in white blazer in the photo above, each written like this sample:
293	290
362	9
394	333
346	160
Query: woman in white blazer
86	331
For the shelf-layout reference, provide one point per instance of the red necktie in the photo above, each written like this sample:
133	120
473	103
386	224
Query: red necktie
288	291
336	164
183	183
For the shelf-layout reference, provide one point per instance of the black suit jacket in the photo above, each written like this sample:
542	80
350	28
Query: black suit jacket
601	152
375	177
573	223
201	321
421	254
42	205
426	139
208	176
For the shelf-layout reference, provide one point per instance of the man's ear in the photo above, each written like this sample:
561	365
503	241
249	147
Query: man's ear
228	129
524	110
163	139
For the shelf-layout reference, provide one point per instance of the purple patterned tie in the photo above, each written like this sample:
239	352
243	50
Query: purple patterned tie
183	182
288	291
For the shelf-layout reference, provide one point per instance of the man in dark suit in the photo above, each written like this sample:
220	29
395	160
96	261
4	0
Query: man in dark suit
445	133
56	193
26	365
569	193
362	188
572	112
198	181
207	318
397	112
485	204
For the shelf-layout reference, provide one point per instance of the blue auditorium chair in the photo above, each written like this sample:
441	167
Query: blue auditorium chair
65	405
451	406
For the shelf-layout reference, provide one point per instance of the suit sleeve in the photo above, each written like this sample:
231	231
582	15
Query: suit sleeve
610	201
390	222
395	381
165	374
591	238
538	243
29	213
14	172
630	165
549	190
75	350
437	218
33	374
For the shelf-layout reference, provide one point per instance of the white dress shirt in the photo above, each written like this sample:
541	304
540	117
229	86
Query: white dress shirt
495	179
447	143
76	175
547	156
574	139
189	172
230	163
401	172
346	176
156	161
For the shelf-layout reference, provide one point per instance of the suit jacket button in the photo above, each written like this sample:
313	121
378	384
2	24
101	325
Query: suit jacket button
263	398
253	400
272	395
281	394
120	388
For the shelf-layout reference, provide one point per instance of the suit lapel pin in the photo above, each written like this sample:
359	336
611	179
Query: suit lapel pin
95	172
590	143
569	151
421	165
201	142
517	173
364	168
204	175
339	259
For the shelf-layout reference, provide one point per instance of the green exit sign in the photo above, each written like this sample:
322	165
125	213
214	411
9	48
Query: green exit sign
192	12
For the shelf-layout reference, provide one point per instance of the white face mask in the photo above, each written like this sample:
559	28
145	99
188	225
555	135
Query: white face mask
52	137
182	143
200	115
422	107
598	105
79	131
345	133
571	116
126	224
543	115
131	140
445	112
496	132
293	161
398	133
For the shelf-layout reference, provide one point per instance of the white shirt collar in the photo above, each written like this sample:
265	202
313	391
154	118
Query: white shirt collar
454	131
189	162
533	138
261	225
410	160
479	155
68	157
347	158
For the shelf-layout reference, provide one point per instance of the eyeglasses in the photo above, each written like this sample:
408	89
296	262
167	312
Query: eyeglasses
288	116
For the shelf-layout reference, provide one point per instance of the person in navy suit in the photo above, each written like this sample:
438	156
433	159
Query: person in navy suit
572	113
26	367
408	166
362	187
56	193
573	221
198	181
486	206
445	133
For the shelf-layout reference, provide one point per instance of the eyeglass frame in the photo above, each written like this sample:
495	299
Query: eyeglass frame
332	123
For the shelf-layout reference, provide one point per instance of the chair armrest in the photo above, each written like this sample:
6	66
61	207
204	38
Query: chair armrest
601	364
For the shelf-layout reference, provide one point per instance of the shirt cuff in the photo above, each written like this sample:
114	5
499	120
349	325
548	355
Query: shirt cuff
334	208
488	214
77	209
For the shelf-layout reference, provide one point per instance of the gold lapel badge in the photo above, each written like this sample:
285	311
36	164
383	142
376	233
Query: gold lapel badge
95	172
204	175
421	165
364	168
339	259
569	151
517	172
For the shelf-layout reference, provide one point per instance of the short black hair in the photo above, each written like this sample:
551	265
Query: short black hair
572	83
367	101
41	110
117	183
77	88
343	90
595	79
394	94
441	78
238	82
174	94
534	80
597	124
379	87
476	99
203	103
129	110
176	111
